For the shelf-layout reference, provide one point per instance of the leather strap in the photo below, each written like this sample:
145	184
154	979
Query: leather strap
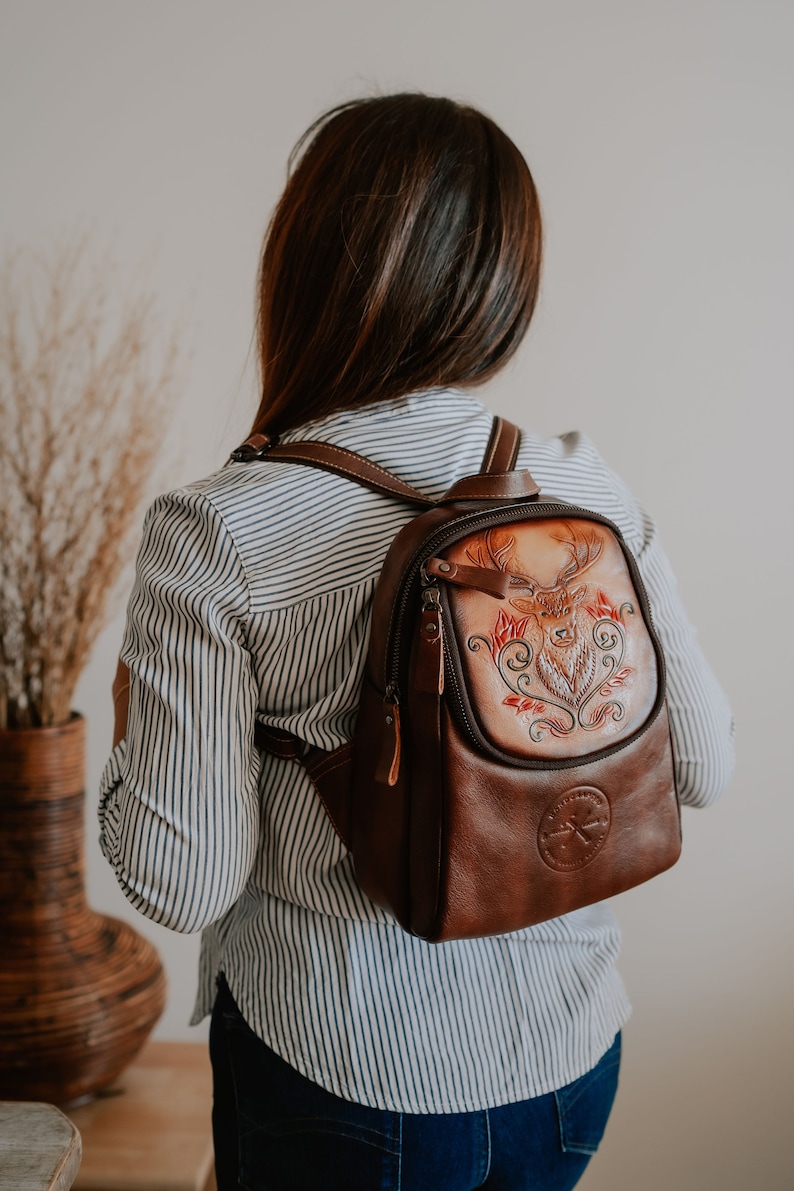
275	741
350	465
331	776
329	772
511	485
502	450
496	480
337	460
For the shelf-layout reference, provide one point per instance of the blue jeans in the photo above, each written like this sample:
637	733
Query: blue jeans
276	1130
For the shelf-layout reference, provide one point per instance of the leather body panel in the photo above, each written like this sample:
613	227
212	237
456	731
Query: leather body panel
522	847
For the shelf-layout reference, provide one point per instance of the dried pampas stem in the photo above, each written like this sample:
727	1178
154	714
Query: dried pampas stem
86	391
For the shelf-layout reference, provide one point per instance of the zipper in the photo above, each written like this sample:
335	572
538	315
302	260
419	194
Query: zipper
452	532
458	529
475	734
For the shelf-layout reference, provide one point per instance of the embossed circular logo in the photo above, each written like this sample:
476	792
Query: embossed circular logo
573	828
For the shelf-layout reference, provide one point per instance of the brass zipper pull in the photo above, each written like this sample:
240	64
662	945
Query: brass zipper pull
429	674
388	769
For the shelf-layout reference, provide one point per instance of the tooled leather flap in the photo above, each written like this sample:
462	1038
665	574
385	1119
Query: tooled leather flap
509	485
565	666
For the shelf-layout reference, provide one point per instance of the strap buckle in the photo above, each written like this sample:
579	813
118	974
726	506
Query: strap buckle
255	447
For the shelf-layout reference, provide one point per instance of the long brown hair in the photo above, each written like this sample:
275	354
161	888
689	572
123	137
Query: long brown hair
404	254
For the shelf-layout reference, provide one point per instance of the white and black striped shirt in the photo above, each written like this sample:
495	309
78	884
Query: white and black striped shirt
252	601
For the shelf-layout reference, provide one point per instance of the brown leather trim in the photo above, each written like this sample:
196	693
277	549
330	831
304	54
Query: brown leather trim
255	446
380	818
509	485
502	450
347	463
331	775
493	583
280	744
498	462
494	877
426	788
387	772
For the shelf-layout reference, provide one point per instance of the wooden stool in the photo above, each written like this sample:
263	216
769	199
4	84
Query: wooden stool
39	1147
153	1130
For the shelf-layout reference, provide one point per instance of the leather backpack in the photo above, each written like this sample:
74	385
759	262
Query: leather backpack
512	758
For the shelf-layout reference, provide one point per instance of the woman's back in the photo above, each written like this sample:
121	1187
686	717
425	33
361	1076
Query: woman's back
400	268
285	559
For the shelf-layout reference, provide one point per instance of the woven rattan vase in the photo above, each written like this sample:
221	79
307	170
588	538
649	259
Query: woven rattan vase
79	992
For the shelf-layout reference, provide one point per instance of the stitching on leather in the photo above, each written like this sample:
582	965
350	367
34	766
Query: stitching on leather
494	475
506	432
333	761
493	445
330	816
486	463
387	480
325	767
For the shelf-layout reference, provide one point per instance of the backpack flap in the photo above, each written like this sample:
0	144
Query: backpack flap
563	665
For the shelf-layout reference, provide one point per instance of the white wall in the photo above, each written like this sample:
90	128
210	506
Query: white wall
660	137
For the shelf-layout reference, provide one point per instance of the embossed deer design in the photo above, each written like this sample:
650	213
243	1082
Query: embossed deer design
566	661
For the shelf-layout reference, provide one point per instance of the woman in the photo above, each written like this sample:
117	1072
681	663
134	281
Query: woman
399	272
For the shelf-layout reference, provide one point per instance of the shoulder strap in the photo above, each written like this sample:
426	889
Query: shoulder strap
499	460
330	458
496	480
502	450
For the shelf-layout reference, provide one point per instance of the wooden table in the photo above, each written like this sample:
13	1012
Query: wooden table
153	1130
39	1148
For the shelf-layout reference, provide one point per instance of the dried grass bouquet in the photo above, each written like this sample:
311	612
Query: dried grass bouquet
87	385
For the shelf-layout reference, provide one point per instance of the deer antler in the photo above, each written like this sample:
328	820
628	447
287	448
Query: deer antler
501	558
583	548
493	557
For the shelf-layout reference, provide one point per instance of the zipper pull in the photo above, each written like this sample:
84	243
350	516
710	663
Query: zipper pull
429	674
388	769
491	582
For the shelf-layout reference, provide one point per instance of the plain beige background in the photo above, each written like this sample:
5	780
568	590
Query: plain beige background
660	137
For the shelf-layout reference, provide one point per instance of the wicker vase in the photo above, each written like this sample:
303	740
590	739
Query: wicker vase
79	992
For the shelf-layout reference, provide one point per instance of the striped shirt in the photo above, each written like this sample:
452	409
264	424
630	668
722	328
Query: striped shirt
252	601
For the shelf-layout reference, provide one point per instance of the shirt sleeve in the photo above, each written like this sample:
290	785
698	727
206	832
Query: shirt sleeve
701	722
178	801
700	718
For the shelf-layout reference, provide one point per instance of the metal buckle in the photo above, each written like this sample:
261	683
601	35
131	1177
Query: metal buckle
255	447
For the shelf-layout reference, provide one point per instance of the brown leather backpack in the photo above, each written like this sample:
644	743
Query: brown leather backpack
512	758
